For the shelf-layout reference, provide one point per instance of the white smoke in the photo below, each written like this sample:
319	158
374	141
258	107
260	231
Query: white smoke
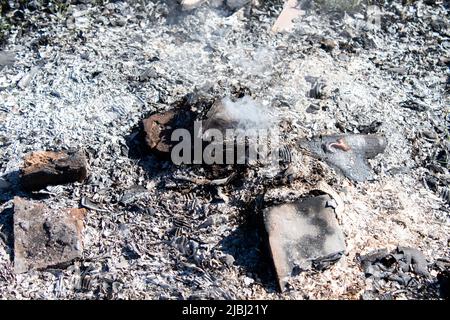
259	62
245	124
246	113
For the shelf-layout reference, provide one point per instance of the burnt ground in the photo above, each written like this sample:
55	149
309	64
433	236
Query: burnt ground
86	75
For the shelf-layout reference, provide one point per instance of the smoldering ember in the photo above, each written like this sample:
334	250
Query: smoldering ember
339	188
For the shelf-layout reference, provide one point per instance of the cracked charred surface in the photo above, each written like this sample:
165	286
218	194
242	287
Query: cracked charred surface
301	233
44	168
45	237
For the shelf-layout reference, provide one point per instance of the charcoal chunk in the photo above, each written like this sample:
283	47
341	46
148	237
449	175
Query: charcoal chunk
45	168
158	130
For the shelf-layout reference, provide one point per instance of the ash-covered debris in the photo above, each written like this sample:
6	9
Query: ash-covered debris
348	153
45	237
6	59
408	259
159	231
404	271
303	234
442	266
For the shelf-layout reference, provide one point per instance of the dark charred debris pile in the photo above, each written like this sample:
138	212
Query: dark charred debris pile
301	232
289	209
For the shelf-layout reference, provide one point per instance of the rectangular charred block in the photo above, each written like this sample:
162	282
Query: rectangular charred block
45	168
302	235
45	237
